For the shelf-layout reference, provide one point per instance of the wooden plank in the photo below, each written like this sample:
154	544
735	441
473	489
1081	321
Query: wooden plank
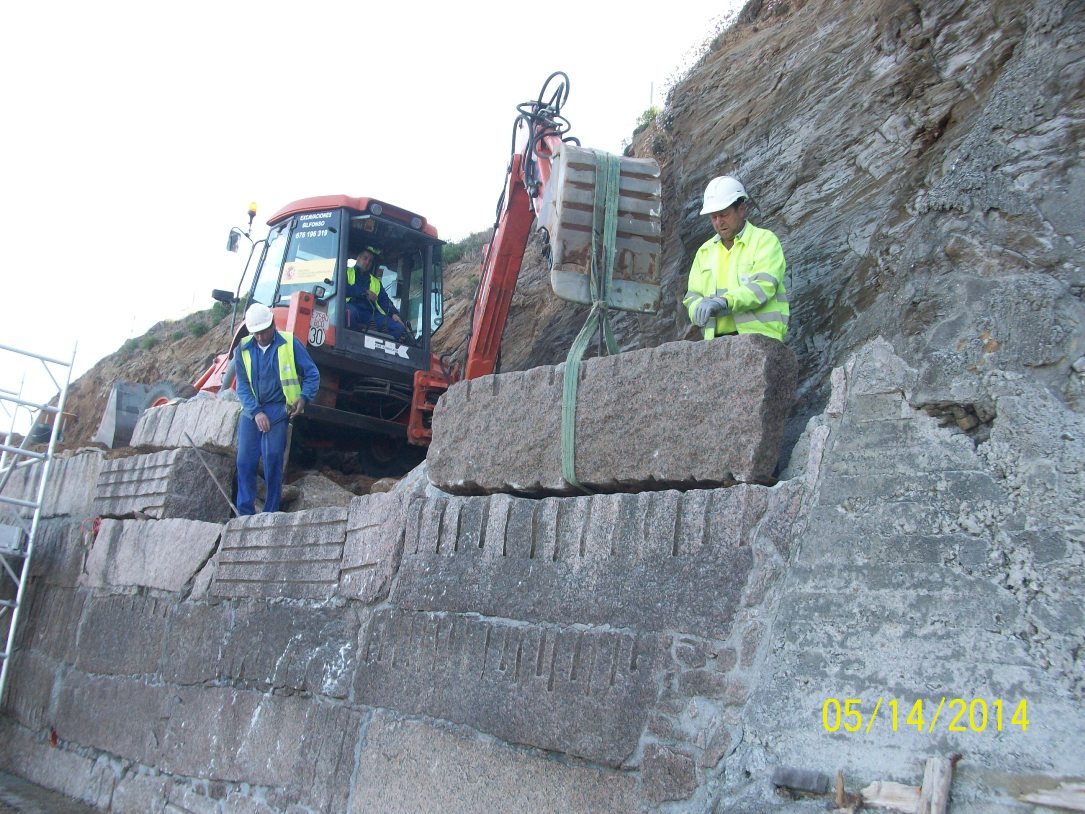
894	796
1068	797
934	795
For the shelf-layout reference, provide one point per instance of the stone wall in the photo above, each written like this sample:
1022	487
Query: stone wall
663	651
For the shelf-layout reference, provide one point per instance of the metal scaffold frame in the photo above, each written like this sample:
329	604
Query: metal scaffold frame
17	537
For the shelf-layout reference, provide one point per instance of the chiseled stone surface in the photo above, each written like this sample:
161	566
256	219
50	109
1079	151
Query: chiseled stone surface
281	555
291	648
407	766
689	555
60	550
97	711
209	422
582	692
376	526
30	699
926	183
161	554
171	483
690	414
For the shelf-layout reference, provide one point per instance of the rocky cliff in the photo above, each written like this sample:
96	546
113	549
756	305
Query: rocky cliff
922	165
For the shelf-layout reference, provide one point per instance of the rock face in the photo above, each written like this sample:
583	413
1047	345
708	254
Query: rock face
921	165
685	414
670	651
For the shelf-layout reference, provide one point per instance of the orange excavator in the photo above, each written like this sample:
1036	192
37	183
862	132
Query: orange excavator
377	391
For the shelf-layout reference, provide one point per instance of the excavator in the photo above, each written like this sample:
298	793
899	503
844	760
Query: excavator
377	392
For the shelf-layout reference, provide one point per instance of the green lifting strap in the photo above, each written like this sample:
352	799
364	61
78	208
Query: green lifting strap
603	241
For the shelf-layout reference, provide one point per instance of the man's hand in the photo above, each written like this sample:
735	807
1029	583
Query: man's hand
297	408
396	318
709	308
372	296
262	423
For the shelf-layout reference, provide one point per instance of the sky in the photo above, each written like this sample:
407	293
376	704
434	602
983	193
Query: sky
137	134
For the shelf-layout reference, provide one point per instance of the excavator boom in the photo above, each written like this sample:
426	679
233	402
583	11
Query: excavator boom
552	184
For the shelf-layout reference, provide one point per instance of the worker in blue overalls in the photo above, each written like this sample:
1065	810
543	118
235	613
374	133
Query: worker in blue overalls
276	378
368	305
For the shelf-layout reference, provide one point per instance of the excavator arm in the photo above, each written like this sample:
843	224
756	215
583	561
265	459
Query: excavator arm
552	180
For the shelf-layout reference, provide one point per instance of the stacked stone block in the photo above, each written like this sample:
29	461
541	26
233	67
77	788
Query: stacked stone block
171	483
73	477
208	422
277	555
681	415
163	555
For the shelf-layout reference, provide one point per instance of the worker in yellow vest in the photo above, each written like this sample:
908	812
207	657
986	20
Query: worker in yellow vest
276	378
368	305
736	283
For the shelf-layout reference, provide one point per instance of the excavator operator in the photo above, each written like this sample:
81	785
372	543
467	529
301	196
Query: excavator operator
368	305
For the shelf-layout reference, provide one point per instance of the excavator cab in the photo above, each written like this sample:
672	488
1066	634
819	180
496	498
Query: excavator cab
307	273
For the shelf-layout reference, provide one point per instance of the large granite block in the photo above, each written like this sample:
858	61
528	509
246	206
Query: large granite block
730	399
162	554
172	483
209	422
409	766
124	716
70	487
60	551
655	561
374	545
50	620
195	640
584	692
122	635
269	555
32	677
293	742
299	649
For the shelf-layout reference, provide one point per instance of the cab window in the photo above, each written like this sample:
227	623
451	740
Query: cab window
311	255
267	278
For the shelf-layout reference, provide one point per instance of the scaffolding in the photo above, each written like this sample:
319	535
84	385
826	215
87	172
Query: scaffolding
25	471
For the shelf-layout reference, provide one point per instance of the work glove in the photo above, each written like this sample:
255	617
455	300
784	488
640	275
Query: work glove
710	308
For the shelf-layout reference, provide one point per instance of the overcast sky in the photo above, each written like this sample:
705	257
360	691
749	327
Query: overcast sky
137	133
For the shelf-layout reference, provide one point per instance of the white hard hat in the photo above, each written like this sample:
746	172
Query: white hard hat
258	317
721	192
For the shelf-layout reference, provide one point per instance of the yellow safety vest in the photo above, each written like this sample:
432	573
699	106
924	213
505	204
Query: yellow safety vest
750	275
374	286
288	374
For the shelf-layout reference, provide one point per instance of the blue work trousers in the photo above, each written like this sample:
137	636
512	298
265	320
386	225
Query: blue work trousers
252	445
364	317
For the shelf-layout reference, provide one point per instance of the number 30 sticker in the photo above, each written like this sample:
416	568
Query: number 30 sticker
318	328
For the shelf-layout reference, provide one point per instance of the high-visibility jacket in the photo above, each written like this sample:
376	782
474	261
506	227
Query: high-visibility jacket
750	276
288	372
374	288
